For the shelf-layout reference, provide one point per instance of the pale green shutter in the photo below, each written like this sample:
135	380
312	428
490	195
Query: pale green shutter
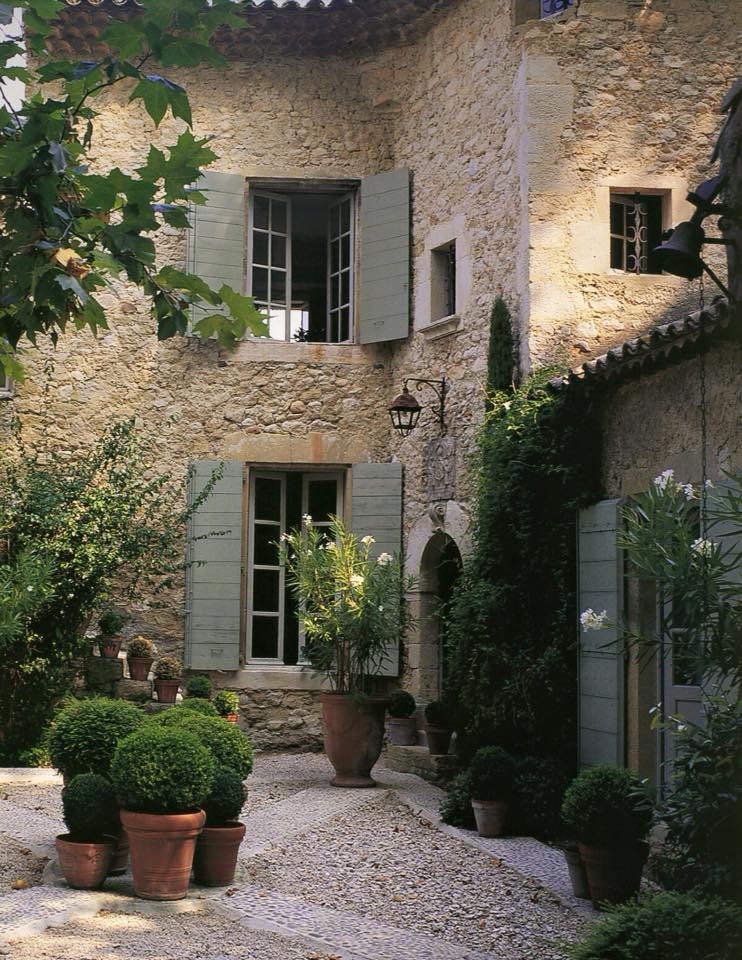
385	257
216	240
601	662
213	587
377	512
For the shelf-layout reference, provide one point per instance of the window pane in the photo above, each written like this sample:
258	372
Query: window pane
260	247
260	283
278	216
278	286
344	324
265	590
334	221
345	251
260	212
268	499
322	499
335	291
278	251
335	256
277	324
617	249
334	318
265	636
617	210
345	216
265	551
345	286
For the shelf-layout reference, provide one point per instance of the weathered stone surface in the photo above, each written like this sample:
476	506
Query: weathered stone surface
102	673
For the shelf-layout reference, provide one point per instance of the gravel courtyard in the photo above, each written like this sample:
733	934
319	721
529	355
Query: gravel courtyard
324	874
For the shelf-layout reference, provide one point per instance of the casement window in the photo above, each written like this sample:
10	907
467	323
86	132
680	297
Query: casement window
324	262
443	282
635	231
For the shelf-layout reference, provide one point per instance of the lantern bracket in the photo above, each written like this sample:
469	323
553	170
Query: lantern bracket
439	388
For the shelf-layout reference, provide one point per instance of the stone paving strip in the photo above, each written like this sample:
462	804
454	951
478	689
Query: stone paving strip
25	913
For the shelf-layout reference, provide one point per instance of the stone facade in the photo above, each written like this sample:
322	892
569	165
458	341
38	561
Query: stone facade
514	136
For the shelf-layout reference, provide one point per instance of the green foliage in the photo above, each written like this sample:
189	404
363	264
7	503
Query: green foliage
350	605
85	734
168	668
68	232
75	530
491	774
228	744
456	808
90	808
199	687
607	806
538	791
226	702
140	647
110	623
161	770
511	632
438	714
401	704
197	705
501	361
227	797
669	925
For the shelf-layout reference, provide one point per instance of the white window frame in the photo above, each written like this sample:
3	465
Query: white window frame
351	269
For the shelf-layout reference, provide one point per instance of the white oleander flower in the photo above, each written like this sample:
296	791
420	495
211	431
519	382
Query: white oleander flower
709	485
664	479
591	620
688	490
704	548
307	520
384	558
368	540
356	580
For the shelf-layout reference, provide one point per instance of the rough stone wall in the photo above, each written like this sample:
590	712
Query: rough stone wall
285	719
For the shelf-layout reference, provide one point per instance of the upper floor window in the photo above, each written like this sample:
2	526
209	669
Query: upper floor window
301	260
443	282
636	229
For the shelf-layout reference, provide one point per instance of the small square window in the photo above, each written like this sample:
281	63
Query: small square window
443	282
550	7
635	231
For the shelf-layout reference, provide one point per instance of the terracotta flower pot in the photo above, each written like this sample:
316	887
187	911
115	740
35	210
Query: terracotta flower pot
613	873
84	865
439	740
577	872
109	647
490	816
353	735
402	731
166	690
215	861
139	667
232	717
162	847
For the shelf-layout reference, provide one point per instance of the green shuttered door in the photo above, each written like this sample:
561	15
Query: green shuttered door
213	588
377	511
600	571
385	257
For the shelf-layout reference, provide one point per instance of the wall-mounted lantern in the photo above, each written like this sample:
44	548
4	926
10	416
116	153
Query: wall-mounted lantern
405	409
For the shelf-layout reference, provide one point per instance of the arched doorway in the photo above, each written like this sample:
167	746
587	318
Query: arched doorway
440	569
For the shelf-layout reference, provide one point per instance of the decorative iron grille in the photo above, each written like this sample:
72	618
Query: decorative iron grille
550	7
636	229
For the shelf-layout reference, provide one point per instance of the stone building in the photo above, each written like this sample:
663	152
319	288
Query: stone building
386	169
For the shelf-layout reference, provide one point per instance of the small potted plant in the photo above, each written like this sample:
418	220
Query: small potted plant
492	773
438	729
608	810
84	735
167	679
110	626
228	745
227	704
215	861
92	817
401	725
199	687
140	654
161	777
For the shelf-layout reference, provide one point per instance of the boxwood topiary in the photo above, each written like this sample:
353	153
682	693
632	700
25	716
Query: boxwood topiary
200	686
161	770
226	702
538	791
85	734
140	646
456	808
227	743
437	714
607	806
401	705
168	668
227	797
90	808
669	925
197	705
492	772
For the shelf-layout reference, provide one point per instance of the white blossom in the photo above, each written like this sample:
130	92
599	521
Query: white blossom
368	540
384	558
356	580
709	484
307	520
688	490
591	620
30	589
704	548
664	479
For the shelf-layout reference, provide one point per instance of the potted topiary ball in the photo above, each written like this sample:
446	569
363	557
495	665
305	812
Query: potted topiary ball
227	704
92	818
438	729
218	845
401	725
167	679
196	705
140	654
85	734
161	777
608	811
199	687
110	626
228	745
492	772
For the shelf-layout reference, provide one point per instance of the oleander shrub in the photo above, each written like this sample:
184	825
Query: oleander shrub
85	734
140	646
90	808
491	773
456	808
227	797
669	926
607	806
438	714
538	791
168	668
401	705
226	702
200	687
162	770
227	743
197	705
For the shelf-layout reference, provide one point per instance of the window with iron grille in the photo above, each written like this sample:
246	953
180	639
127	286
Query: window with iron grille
550	7
443	282
636	229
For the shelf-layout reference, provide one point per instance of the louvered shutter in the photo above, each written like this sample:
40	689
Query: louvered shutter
385	257
601	663
216	240
213	587
377	512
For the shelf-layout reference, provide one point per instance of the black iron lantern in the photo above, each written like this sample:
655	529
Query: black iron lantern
405	412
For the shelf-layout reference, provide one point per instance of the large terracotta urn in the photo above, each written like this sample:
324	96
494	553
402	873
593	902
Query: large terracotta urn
354	734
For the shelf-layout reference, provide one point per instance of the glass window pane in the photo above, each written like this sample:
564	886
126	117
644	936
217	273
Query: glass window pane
345	250
335	291
345	216
259	247
335	256
278	251
344	324
265	590
260	212
277	324
322	499
265	550
617	210
334	319
260	283
334	221
267	499
278	286
265	636
278	216
345	286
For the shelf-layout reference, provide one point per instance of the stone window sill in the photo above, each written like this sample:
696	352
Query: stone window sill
645	277
269	677
446	327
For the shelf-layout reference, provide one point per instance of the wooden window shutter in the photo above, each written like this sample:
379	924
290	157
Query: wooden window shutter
601	662
213	593
385	257
216	240
377	512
